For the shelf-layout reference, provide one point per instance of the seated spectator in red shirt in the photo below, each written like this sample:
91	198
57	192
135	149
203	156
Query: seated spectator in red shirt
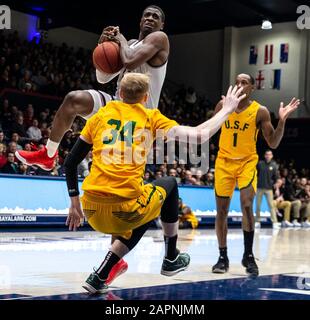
3	158
3	138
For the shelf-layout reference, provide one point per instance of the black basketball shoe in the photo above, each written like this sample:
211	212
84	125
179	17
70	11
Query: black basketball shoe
221	266
251	268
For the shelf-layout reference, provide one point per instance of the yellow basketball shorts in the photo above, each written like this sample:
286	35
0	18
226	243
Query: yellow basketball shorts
230	173
118	216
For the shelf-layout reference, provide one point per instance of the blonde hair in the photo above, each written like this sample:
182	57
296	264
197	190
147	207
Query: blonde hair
134	86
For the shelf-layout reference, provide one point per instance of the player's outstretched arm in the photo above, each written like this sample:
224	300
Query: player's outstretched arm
271	135
134	57
73	159
206	130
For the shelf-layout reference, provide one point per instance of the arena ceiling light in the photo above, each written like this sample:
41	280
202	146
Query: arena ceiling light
266	25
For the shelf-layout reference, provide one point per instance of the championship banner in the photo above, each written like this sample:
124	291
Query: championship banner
284	53
260	80
253	55
268	54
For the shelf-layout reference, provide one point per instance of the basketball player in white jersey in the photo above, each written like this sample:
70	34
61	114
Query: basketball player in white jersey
149	54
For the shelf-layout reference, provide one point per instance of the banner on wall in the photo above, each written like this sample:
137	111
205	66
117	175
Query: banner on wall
260	80
268	54
284	53
275	79
253	55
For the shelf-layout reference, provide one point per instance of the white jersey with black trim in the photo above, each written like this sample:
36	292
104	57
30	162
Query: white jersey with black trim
157	76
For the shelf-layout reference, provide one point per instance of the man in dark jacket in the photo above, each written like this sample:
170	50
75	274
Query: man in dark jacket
266	178
11	166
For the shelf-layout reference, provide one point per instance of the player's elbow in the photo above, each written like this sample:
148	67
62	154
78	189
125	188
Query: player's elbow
273	144
129	66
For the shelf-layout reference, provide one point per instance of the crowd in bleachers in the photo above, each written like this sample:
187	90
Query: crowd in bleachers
43	67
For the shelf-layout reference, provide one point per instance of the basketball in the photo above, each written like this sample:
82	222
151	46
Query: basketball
106	57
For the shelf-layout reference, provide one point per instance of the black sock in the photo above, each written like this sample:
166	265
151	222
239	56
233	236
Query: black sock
171	251
223	252
248	242
110	260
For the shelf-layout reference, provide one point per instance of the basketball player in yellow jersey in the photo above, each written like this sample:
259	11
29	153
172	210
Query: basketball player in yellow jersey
148	54
236	164
115	199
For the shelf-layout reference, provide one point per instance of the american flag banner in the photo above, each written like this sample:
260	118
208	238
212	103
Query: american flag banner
253	55
260	80
284	53
268	54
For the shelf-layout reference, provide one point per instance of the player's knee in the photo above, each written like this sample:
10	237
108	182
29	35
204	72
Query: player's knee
172	182
222	212
169	184
247	205
73	102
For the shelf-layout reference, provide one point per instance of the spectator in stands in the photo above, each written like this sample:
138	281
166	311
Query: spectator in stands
198	178
18	126
280	203
187	218
3	158
191	97
12	147
34	132
29	116
68	140
303	194
25	84
147	177
188	180
212	162
173	173
3	138
266	178
58	170
210	179
289	195
15	138
11	166
27	147
45	130
158	174
4	79
163	169
23	169
212	149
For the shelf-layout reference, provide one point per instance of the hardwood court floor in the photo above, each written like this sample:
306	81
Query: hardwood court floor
54	265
